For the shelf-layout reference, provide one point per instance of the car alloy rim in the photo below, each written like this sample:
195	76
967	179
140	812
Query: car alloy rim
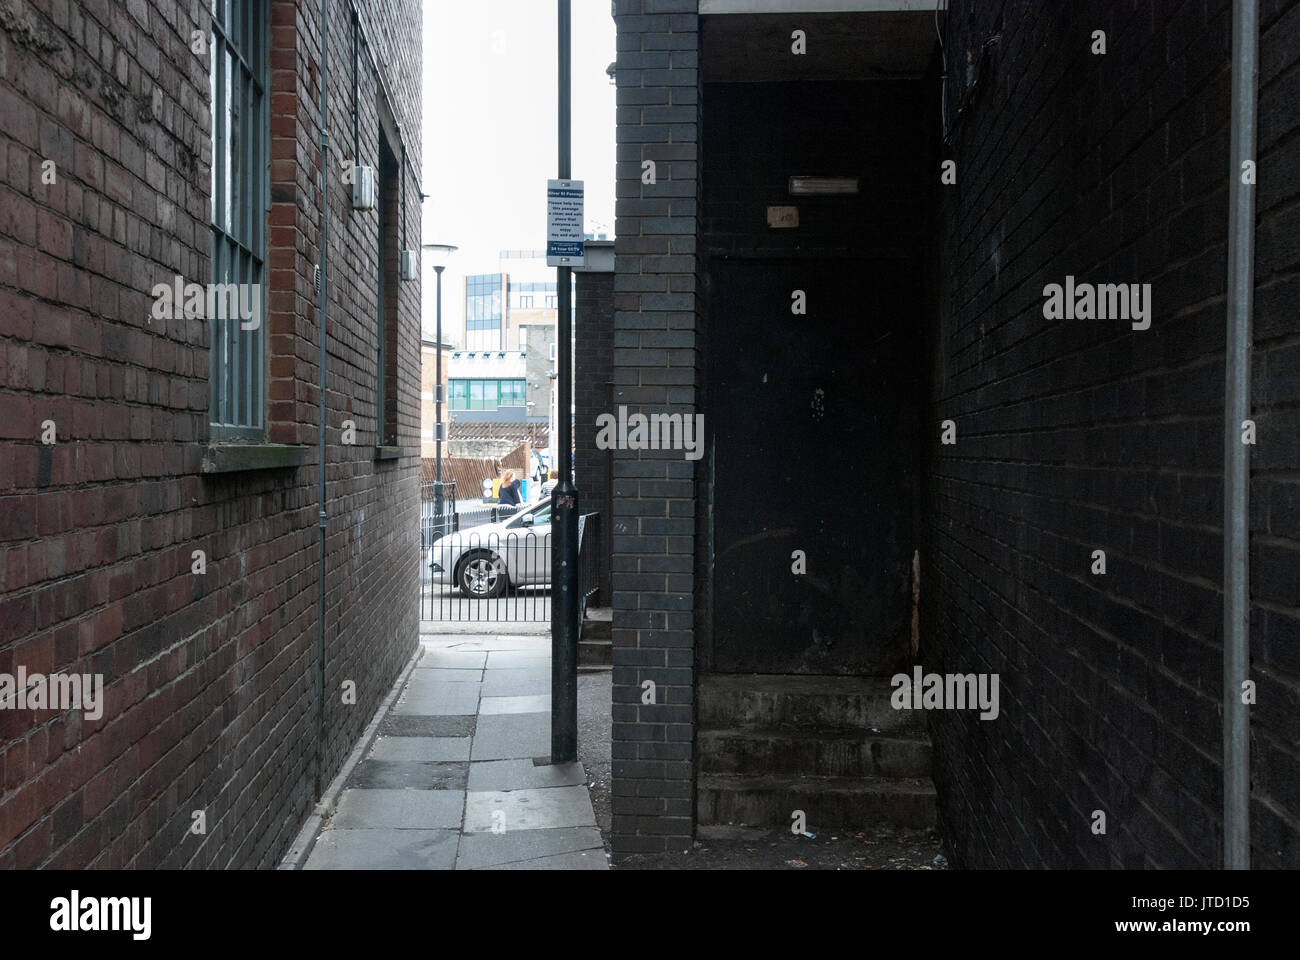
481	574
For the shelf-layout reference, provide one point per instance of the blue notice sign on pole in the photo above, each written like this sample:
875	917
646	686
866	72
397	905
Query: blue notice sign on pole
564	236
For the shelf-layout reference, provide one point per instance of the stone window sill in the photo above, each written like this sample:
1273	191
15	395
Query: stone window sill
239	457
388	453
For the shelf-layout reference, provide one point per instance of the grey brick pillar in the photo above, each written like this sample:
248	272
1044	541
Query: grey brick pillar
593	394
656	321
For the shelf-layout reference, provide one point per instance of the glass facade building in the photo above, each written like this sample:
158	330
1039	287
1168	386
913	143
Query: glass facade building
483	311
485	394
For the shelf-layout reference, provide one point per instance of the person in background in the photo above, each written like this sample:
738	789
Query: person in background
509	490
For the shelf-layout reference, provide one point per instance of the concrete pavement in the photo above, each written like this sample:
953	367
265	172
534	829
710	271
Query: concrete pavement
458	775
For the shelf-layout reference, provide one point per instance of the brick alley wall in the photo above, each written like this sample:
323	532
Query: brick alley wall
209	680
1083	435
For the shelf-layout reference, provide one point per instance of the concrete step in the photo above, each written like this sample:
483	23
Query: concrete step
595	652
827	802
809	703
598	624
824	753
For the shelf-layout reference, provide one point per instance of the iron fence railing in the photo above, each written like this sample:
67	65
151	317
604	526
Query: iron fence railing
588	557
488	574
474	569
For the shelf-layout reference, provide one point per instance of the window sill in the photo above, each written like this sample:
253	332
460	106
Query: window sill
238	457
388	453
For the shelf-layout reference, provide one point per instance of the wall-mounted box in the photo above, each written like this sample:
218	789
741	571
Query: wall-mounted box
410	264
364	190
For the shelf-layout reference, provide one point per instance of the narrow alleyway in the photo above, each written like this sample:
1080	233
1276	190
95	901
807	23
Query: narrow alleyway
456	774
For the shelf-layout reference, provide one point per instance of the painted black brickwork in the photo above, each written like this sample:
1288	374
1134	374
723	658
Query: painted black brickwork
1074	436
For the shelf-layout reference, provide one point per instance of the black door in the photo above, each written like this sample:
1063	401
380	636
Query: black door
815	427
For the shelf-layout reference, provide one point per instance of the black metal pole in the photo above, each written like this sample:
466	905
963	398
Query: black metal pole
565	606
437	418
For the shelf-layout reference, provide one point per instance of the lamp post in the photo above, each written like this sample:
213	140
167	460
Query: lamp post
566	610
444	250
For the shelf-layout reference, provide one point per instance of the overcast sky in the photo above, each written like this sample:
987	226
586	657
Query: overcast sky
490	128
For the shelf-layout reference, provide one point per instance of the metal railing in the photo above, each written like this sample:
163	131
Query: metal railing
437	512
470	571
488	574
588	558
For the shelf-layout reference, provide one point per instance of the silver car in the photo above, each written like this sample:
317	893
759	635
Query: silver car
487	560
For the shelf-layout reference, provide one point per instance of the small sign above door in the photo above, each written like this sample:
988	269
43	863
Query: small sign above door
780	218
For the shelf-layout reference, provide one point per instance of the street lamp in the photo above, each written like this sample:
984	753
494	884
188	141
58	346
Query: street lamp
438	250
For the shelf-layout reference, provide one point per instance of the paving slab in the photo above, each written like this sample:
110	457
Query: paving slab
399	809
434	681
447	675
395	726
420	748
512	736
523	774
491	642
454	759
439	700
432	639
407	775
527	809
480	850
518	683
453	659
585	860
520	659
537	703
384	849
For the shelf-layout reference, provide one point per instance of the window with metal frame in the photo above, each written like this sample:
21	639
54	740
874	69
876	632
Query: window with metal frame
389	247
240	195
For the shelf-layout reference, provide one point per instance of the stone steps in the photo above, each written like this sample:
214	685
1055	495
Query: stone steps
814	752
830	703
833	747
827	802
595	643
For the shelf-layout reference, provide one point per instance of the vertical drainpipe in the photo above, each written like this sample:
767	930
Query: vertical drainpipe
324	286
356	91
1236	476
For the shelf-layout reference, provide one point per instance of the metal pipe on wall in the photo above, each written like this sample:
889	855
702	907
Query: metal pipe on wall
324	286
1236	466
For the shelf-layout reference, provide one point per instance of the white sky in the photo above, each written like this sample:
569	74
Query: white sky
490	139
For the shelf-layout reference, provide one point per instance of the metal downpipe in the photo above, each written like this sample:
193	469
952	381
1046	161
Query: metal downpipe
1236	466
324	286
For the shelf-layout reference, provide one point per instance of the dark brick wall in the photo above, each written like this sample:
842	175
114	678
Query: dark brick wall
593	386
826	126
1074	436
656	317
209	679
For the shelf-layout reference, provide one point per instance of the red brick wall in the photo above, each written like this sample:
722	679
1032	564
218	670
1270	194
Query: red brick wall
209	680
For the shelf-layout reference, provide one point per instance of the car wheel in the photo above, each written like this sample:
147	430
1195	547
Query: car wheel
482	575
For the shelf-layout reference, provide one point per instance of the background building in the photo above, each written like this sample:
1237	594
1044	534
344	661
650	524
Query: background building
487	307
